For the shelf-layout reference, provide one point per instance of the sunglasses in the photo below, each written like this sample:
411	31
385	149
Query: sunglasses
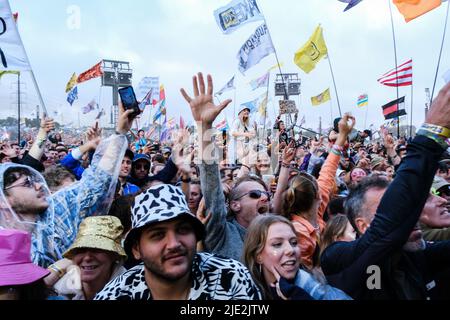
28	183
255	194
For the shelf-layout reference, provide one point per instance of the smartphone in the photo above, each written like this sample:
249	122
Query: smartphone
129	100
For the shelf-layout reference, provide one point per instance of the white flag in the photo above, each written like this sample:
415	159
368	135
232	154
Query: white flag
228	86
258	46
12	52
147	84
236	14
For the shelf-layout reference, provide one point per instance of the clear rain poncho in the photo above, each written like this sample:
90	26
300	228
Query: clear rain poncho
54	230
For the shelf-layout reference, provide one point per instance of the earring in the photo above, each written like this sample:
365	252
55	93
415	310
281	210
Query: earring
260	268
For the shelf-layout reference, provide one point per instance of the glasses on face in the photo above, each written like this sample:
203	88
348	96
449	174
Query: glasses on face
29	182
142	166
255	194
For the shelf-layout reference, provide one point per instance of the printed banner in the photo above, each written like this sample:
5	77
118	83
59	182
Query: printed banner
237	13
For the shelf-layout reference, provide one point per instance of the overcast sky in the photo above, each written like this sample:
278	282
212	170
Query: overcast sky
174	39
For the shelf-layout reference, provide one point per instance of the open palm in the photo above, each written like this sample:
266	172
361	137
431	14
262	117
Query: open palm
202	106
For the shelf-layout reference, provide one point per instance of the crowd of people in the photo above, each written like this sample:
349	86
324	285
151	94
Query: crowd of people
278	216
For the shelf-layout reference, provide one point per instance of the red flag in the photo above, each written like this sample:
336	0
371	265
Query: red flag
94	72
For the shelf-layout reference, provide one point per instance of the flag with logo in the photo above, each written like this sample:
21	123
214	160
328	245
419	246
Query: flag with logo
72	82
363	100
394	109
321	98
262	81
12	52
227	87
411	9
94	72
398	77
256	48
236	14
307	57
73	95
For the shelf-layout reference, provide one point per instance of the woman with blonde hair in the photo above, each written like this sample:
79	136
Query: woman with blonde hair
271	253
338	228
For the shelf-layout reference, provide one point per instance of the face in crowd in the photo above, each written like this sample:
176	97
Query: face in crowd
195	195
167	250
141	168
249	199
244	115
125	167
25	193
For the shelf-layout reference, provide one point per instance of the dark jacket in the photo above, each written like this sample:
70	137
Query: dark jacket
403	275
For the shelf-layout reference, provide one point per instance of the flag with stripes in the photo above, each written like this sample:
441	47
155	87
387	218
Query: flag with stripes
398	77
363	100
222	125
394	109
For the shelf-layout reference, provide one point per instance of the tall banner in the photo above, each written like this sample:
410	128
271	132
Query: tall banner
236	14
12	51
147	84
257	47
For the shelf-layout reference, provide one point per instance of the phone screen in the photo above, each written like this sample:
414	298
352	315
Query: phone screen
128	98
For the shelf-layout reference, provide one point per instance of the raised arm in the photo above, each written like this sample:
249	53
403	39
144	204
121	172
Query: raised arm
38	147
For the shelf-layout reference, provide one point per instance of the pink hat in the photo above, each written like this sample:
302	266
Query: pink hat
16	267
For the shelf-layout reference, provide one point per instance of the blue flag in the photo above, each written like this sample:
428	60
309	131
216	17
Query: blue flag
351	4
73	95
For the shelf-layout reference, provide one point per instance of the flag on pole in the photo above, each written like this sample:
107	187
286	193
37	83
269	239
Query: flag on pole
262	110
72	82
12	51
363	100
90	107
394	109
350	3
411	9
100	114
312	52
147	100
94	72
262	81
236	14
222	125
73	95
227	87
400	76
162	97
147	84
321	98
256	48
2	73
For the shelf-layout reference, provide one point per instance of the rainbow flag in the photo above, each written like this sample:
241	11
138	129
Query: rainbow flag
363	100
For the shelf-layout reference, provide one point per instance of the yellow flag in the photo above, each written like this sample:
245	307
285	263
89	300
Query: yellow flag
312	52
72	82
262	107
2	73
321	98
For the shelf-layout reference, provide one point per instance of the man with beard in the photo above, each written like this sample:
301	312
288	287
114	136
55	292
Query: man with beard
249	196
53	220
390	260
164	237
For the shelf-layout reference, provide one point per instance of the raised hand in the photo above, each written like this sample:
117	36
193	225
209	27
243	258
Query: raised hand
47	124
438	113
126	118
202	107
288	153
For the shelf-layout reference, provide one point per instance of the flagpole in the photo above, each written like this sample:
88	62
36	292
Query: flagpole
411	111
18	107
396	63
334	83
440	53
265	108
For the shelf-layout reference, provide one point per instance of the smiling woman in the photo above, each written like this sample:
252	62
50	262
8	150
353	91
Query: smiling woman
96	258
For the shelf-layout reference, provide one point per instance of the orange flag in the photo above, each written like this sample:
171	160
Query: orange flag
94	72
412	9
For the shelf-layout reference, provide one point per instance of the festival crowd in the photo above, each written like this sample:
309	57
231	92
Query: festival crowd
278	216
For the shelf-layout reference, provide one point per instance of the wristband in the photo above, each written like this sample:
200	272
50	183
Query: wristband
56	269
337	148
336	152
439	130
435	137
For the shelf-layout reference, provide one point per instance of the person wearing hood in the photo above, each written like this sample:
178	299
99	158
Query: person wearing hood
53	219
243	132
